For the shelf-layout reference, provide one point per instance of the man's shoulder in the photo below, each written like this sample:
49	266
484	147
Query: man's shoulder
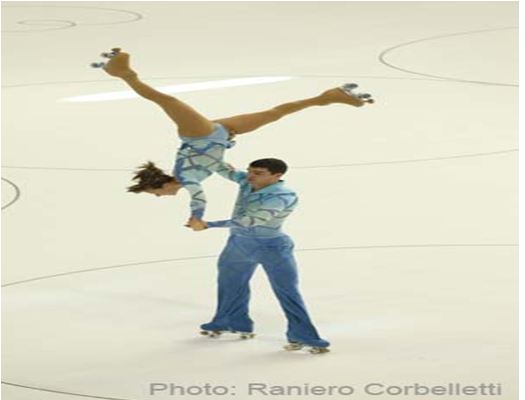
283	189
283	192
286	191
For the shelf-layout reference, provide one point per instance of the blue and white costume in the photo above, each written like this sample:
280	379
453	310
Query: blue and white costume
196	160
256	238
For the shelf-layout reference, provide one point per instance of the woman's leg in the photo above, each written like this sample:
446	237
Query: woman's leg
189	122
249	122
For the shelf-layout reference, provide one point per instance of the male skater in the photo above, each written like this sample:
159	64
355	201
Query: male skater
256	238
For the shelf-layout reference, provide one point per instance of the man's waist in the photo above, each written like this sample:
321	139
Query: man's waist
257	231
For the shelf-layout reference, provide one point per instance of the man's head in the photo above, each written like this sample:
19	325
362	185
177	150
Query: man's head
265	172
154	181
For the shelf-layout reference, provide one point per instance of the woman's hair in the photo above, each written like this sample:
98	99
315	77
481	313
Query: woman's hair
149	176
274	165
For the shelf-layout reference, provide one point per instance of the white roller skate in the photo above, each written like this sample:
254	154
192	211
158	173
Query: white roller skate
217	333
349	89
346	94
111	54
118	64
294	346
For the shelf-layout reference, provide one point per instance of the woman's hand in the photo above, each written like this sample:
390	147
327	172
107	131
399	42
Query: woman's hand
197	224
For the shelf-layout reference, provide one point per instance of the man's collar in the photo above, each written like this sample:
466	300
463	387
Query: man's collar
270	188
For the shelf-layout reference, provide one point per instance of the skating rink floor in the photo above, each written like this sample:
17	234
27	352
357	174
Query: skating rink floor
407	228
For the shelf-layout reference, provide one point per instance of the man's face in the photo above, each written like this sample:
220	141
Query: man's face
261	177
168	189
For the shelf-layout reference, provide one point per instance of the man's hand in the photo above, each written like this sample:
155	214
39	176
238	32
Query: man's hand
197	224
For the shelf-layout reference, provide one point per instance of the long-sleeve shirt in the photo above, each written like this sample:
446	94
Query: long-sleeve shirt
258	213
196	160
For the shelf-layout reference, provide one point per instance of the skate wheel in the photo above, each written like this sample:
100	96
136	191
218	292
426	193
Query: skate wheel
319	350
350	86
211	333
364	95
116	50
108	55
293	346
97	65
247	336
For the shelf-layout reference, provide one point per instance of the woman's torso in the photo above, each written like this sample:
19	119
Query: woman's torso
198	158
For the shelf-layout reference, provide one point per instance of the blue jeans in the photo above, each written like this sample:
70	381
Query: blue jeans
237	264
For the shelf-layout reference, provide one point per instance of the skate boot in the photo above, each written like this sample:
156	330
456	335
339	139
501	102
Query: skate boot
349	89
294	346
346	94
111	54
118	64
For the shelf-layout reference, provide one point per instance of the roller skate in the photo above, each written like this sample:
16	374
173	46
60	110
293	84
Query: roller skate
118	64
113	53
294	346
349	89
346	94
217	333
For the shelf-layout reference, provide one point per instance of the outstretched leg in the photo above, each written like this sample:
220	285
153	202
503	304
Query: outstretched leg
249	122
189	122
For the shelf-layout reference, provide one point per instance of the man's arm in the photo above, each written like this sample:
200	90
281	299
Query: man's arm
198	199
227	171
268	210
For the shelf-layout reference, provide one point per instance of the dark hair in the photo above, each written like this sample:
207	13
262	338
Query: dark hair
274	165
149	177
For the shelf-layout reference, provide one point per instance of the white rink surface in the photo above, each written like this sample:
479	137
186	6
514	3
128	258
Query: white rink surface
406	234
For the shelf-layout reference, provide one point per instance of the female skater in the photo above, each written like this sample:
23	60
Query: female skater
204	141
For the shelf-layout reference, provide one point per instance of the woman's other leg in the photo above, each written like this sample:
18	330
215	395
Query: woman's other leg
244	123
189	122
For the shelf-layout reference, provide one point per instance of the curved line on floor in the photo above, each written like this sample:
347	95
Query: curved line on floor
472	155
142	263
382	57
17	193
61	392
136	17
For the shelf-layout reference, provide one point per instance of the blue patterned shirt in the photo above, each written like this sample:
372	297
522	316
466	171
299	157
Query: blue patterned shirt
258	213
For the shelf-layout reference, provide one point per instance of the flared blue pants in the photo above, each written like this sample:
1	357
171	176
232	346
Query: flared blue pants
237	264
